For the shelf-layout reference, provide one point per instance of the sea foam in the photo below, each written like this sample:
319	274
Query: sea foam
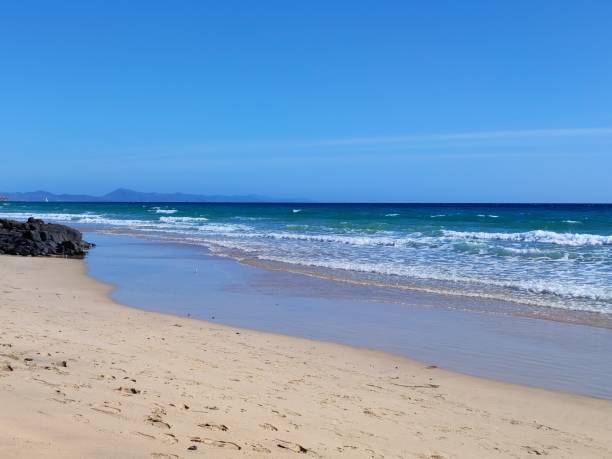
159	210
183	219
538	236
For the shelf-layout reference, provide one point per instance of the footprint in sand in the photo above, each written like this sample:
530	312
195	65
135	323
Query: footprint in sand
107	409
62	401
260	449
209	426
535	451
217	443
268	426
129	390
296	448
169	439
374	454
157	421
144	435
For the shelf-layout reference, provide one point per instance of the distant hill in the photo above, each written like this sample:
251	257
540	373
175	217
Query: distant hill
126	195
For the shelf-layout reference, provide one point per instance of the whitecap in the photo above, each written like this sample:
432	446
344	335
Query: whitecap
537	236
159	210
350	240
182	219
224	228
391	215
526	250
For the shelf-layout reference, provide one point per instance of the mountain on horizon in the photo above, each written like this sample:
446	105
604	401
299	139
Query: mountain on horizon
127	195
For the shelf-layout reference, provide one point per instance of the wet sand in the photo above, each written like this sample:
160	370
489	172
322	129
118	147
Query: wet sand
82	376
482	339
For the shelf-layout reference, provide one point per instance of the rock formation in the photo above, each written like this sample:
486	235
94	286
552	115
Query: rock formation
37	238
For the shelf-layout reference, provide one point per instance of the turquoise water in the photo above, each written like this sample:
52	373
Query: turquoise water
553	256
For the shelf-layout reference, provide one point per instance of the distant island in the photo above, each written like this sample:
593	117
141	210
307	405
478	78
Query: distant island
126	195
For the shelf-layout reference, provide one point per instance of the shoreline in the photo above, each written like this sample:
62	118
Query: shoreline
508	307
571	304
145	384
538	261
183	280
376	353
569	316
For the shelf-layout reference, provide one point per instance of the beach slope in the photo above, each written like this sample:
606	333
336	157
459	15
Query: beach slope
81	376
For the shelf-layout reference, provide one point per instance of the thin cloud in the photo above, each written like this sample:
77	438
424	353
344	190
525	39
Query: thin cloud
534	134
486	135
453	144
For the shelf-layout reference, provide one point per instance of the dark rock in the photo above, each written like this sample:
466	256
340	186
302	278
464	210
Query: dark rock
36	238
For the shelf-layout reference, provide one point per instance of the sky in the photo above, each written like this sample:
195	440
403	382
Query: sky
392	101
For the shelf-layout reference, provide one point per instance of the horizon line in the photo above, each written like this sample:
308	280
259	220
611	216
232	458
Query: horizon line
314	203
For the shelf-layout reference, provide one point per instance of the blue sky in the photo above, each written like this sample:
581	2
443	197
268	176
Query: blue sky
337	101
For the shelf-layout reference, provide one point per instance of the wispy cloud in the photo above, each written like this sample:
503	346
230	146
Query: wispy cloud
510	143
487	135
450	143
432	139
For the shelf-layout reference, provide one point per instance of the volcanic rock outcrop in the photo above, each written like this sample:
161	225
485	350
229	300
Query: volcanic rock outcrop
36	238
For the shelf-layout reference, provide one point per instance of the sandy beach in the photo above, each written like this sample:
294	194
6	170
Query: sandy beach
82	376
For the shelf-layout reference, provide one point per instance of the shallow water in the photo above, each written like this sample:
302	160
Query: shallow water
488	342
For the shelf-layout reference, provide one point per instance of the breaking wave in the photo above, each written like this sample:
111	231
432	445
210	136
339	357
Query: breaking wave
537	236
159	210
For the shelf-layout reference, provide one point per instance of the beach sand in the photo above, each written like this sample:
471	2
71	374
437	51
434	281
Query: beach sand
82	376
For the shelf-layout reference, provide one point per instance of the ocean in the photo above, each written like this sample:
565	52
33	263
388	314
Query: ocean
539	256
